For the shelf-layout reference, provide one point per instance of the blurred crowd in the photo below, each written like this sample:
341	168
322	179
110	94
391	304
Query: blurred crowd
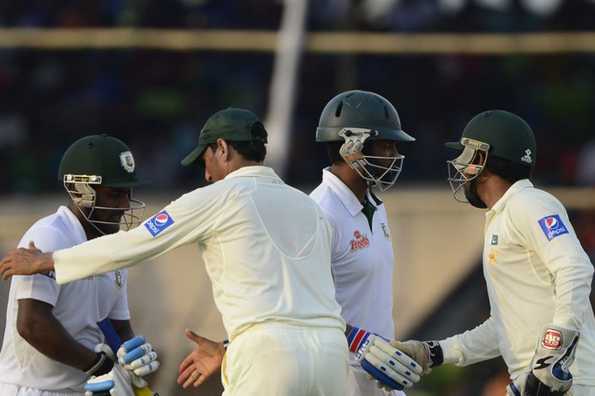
157	100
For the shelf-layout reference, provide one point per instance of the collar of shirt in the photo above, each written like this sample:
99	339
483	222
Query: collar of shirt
253	171
347	197
516	187
74	223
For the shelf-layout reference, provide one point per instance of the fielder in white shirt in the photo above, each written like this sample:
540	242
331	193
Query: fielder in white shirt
52	330
361	130
266	247
537	274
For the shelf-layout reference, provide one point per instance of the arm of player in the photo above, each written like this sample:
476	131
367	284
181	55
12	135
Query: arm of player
189	219
204	361
38	326
464	349
546	228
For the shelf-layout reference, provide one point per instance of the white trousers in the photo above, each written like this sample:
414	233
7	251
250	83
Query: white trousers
358	384
15	390
582	390
275	359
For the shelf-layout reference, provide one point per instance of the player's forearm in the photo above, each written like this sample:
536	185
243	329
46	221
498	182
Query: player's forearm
472	346
124	329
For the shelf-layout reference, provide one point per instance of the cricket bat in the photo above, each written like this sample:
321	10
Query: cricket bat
114	341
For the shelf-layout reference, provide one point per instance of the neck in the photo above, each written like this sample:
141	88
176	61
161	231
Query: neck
492	189
351	179
90	231
238	163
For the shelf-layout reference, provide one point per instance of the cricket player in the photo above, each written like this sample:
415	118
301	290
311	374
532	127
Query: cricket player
537	274
361	130
266	247
52	342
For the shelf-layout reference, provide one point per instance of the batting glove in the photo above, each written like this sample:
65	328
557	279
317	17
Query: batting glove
549	375
427	354
138	357
391	368
115	383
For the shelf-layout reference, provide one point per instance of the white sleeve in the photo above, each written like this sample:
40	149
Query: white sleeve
39	287
120	310
545	227
472	346
191	218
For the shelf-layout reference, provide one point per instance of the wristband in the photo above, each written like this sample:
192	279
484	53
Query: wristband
102	365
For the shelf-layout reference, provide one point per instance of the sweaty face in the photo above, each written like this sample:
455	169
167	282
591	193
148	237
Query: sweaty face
110	206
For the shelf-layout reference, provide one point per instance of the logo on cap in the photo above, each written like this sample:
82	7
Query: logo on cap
127	161
552	226
158	223
527	157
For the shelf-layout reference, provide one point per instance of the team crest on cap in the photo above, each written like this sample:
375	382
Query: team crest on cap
552	226
127	161
527	157
158	223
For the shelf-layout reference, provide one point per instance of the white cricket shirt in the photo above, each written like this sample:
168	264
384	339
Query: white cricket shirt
537	274
362	257
78	306
266	247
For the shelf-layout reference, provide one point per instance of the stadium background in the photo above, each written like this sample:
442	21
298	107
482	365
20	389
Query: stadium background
156	94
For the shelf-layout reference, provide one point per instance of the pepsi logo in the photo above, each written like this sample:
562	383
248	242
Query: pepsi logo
161	218
551	222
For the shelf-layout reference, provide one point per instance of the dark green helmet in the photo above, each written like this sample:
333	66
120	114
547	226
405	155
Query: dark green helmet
99	159
361	110
493	134
509	137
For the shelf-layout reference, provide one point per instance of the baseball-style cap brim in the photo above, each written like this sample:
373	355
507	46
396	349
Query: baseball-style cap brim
194	154
455	146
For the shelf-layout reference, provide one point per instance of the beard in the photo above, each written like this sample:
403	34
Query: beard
472	196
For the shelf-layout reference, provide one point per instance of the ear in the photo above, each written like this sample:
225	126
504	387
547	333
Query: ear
224	148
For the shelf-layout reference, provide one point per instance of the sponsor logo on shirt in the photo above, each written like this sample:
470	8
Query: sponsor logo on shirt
552	339
158	223
385	230
360	241
553	226
118	278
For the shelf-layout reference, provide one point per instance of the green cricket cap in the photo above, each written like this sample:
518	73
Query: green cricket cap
232	124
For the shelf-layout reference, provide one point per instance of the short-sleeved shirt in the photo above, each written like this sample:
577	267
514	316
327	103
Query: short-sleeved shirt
78	306
362	256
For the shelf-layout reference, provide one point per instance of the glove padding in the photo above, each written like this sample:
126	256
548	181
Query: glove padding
138	356
550	374
427	354
115	383
389	366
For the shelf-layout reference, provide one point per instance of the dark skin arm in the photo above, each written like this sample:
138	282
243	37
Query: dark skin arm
38	326
123	329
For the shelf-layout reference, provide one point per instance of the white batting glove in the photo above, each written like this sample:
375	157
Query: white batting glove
391	368
550	374
138	357
115	383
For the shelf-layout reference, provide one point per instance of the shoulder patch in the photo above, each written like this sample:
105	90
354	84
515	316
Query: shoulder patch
158	223
552	226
